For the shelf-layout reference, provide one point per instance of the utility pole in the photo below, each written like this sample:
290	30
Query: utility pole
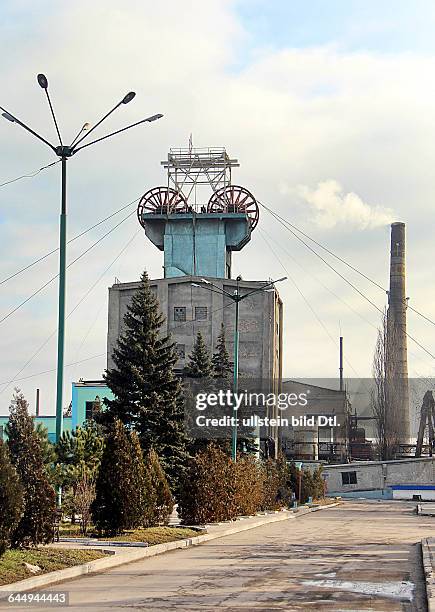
236	297
341	363
64	152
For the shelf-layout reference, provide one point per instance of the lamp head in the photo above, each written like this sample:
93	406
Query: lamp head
154	117
128	97
8	117
42	80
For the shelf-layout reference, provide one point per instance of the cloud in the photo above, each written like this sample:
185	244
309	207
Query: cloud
364	118
333	207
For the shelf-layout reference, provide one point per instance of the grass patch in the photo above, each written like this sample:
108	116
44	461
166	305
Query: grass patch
12	566
155	535
152	535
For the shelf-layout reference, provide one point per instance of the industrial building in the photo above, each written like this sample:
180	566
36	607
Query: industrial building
85	394
198	220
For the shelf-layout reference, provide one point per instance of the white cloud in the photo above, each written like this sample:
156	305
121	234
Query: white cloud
333	207
365	119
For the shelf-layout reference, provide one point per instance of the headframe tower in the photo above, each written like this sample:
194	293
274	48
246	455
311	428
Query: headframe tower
196	230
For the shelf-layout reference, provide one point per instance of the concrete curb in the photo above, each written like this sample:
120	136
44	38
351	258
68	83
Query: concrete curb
120	558
429	574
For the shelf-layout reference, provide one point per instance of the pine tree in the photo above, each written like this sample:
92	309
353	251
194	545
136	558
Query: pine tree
199	364
78	459
147	392
11	498
221	364
159	511
118	502
82	447
36	524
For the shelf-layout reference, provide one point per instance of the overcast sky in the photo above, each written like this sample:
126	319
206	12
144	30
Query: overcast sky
329	107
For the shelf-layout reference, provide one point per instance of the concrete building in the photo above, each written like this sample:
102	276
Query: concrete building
198	237
377	479
85	395
312	441
189	309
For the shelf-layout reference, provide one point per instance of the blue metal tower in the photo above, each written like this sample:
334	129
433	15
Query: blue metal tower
196	232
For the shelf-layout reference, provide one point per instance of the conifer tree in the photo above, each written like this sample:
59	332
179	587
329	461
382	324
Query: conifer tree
199	364
11	498
221	364
147	393
26	452
119	487
160	502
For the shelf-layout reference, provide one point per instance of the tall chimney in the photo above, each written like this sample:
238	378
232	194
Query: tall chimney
396	331
37	403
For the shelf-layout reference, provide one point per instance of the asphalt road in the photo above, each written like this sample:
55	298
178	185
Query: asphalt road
358	556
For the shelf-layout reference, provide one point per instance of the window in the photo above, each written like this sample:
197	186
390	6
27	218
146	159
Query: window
200	313
348	478
89	410
179	313
180	350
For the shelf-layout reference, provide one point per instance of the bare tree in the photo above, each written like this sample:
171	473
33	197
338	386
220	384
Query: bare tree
385	398
84	495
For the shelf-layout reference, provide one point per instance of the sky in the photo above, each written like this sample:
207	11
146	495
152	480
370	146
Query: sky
329	107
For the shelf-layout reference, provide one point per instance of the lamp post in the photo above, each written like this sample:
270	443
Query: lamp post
236	297
64	152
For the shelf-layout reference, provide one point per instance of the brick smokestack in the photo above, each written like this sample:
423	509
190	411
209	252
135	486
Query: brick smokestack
396	330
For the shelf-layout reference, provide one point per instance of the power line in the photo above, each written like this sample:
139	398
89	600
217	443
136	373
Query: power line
339	298
285	224
71	312
31	175
343	261
307	302
53	278
5	280
52	370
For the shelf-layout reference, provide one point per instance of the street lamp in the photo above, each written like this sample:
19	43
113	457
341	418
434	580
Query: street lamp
64	152
236	297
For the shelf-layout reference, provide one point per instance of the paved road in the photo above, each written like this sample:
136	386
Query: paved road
359	556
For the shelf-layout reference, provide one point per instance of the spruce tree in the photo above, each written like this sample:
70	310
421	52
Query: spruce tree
118	502
147	393
221	364
199	364
11	498
27	455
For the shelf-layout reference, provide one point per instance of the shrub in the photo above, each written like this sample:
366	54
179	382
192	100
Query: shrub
158	500
318	484
271	486
26	452
118	504
248	485
11	498
208	491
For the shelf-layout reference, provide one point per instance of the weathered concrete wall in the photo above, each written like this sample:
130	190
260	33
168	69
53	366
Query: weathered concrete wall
378	475
198	244
260	321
